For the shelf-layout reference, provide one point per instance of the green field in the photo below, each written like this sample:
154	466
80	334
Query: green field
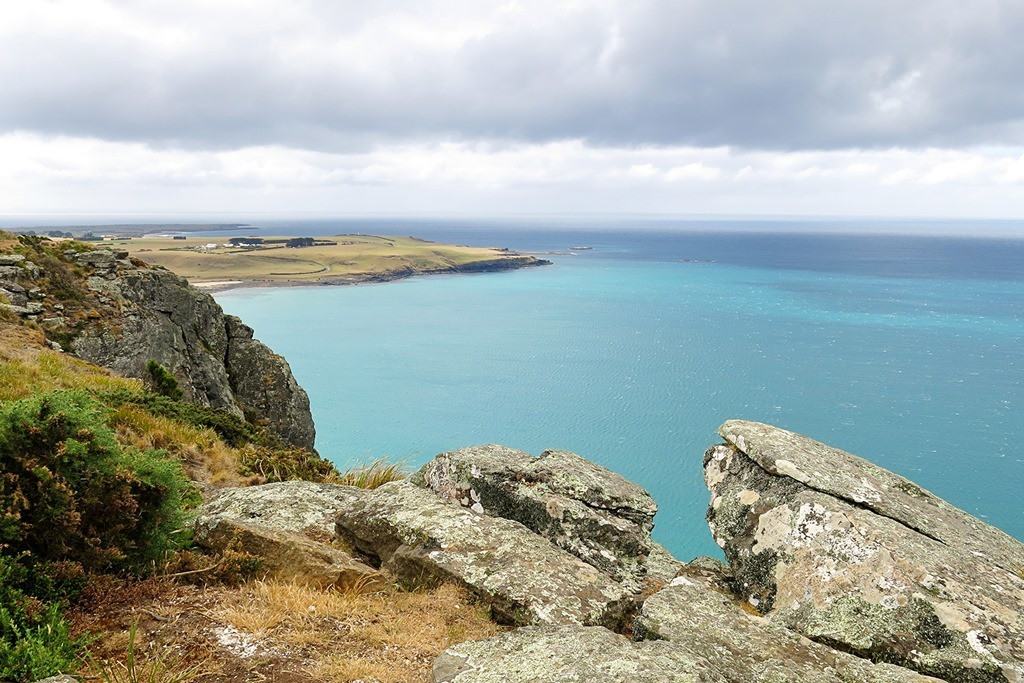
351	258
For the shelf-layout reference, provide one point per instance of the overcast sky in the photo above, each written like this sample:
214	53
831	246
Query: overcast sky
892	108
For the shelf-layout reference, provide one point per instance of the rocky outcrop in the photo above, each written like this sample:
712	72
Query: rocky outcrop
130	314
301	507
422	539
284	555
264	387
861	559
694	613
589	511
288	526
568	654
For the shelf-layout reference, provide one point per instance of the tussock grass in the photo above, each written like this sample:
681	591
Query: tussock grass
360	632
205	456
372	475
27	368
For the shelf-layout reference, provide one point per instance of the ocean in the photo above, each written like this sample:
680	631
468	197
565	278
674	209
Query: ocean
906	350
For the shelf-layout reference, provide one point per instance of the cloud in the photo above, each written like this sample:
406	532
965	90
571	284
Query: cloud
342	77
75	174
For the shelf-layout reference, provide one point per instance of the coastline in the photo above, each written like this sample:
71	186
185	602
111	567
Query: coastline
514	262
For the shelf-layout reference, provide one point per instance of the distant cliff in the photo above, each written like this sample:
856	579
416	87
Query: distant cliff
121	314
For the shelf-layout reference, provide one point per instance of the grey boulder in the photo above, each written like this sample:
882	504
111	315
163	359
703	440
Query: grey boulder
589	511
852	555
709	625
525	579
302	507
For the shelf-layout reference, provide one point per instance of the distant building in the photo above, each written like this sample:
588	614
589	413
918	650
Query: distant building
245	241
297	242
179	237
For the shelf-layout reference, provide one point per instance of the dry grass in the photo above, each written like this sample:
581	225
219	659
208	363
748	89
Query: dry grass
345	635
205	456
377	473
27	367
138	667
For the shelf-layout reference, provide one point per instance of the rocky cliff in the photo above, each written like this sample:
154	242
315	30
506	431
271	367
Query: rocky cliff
837	570
121	314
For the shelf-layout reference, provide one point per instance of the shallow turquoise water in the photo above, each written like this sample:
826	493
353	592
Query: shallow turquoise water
634	361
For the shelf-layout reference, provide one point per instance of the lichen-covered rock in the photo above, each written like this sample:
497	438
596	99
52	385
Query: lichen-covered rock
662	566
152	314
586	509
854	556
302	507
526	579
569	654
694	614
284	555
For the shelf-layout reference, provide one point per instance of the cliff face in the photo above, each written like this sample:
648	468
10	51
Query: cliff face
120	313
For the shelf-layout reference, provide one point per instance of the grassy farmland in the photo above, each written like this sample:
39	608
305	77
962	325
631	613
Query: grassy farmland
339	258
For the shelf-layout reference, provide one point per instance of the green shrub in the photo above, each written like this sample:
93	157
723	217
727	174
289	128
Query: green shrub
164	383
35	640
69	491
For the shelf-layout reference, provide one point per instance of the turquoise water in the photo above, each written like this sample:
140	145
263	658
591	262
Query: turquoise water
632	358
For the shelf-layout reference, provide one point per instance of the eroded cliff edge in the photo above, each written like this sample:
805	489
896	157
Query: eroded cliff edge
121	313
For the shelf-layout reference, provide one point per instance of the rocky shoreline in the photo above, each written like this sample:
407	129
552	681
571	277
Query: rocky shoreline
837	570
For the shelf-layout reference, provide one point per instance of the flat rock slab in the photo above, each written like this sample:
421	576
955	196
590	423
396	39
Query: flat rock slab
286	555
569	654
301	507
710	626
854	556
593	513
526	579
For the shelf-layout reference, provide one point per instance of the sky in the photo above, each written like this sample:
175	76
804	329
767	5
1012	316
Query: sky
444	107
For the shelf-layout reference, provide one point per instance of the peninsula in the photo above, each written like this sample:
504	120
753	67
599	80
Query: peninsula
222	262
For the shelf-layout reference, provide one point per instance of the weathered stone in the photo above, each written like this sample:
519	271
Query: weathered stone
283	554
525	578
9	272
694	614
569	654
662	566
100	259
264	386
62	678
855	556
11	259
14	294
301	507
586	509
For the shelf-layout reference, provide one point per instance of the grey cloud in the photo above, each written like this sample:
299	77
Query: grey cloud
783	75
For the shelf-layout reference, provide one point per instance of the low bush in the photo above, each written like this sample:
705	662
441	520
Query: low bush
163	382
69	491
283	464
35	640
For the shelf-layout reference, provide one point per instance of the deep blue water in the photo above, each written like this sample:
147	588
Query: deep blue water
905	350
